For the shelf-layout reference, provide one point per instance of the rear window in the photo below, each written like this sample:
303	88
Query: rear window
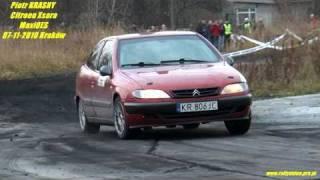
153	50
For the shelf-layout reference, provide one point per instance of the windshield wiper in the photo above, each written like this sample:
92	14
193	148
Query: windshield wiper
182	61
140	64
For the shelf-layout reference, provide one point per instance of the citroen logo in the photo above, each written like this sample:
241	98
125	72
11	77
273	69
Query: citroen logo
196	92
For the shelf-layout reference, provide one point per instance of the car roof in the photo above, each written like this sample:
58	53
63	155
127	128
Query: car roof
151	34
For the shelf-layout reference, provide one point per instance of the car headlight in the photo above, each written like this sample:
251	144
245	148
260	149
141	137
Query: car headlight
150	94
235	88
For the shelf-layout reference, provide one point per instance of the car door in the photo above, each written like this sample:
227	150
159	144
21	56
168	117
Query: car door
87	80
102	100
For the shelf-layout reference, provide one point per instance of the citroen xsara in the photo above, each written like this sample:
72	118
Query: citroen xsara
165	79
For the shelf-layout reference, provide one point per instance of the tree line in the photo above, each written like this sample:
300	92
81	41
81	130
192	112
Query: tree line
143	13
173	13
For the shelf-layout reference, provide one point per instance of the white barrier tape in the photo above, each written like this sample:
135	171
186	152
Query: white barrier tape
294	35
309	42
252	40
255	49
261	43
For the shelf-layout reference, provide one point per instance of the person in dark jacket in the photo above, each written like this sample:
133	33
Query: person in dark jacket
221	37
209	25
203	29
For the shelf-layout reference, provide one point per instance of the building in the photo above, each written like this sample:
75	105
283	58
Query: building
270	11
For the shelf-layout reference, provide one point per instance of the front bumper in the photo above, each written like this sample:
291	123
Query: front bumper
160	114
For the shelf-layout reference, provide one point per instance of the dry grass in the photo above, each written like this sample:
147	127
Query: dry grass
285	73
36	58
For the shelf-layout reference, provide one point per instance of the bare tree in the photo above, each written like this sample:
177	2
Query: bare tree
172	14
4	11
111	11
316	5
176	13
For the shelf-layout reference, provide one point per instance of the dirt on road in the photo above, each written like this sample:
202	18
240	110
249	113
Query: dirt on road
40	139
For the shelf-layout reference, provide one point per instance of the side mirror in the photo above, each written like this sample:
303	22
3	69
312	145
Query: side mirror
229	60
105	71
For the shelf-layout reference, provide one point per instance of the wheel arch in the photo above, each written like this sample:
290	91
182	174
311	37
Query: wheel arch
119	93
115	96
76	101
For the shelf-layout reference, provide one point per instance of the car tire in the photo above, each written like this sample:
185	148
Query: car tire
85	126
120	123
191	126
238	127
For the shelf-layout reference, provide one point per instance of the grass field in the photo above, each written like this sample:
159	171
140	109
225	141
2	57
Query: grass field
20	59
284	73
290	72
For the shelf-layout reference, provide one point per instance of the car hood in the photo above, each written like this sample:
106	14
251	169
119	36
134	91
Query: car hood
184	76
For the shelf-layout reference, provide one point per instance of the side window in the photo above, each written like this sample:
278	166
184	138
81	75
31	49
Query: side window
94	56
106	56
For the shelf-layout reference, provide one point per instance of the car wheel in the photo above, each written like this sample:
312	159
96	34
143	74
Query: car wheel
120	123
85	126
191	126
238	127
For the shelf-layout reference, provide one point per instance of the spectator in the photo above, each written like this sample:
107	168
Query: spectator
227	34
247	26
260	28
314	22
164	27
209	25
215	34
191	27
153	29
133	28
203	29
221	37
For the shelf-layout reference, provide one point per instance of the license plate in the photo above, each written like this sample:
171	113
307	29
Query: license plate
197	106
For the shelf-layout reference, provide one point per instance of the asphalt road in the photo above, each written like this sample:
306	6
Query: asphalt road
40	139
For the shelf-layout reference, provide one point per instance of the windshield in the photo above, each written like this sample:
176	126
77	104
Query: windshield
154	51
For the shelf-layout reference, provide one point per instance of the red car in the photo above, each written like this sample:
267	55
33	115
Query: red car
167	79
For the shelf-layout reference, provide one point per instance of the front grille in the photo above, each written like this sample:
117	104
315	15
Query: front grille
190	93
